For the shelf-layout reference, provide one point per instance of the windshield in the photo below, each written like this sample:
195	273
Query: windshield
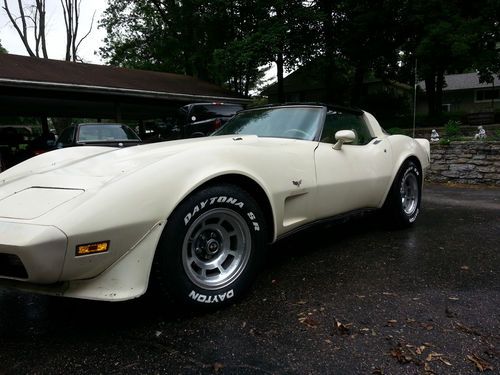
281	122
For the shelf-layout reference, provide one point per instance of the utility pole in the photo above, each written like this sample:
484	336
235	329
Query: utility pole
415	98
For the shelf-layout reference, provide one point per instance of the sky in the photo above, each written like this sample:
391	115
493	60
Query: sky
55	30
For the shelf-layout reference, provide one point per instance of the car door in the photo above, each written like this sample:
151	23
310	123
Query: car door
355	176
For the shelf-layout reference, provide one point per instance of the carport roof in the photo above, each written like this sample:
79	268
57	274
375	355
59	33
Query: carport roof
29	72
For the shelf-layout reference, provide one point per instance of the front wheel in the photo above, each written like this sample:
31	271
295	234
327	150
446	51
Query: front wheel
402	205
209	253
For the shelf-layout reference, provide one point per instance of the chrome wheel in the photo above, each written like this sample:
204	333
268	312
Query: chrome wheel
216	248
409	193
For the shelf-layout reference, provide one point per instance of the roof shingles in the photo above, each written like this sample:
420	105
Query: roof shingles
23	68
464	81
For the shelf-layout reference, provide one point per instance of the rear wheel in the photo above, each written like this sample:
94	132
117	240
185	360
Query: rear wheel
403	202
209	253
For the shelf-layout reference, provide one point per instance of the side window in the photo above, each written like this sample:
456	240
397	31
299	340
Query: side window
337	120
208	112
201	113
330	128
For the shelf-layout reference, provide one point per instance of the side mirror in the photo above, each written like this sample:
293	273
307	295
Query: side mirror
343	136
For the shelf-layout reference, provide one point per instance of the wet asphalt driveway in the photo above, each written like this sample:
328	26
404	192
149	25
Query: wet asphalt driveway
352	298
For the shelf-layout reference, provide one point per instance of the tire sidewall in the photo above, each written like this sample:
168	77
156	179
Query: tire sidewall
169	267
407	169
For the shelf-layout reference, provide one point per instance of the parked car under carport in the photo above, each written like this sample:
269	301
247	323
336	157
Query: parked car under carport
98	134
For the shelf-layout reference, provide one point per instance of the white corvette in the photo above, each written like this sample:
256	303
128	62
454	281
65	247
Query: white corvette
194	216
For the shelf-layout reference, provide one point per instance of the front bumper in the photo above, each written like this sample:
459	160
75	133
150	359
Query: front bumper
38	250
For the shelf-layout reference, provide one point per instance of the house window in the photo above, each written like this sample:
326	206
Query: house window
488	95
446	107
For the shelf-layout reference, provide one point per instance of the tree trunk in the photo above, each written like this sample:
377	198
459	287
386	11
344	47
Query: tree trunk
247	83
357	89
41	30
76	9
439	92
23	34
430	93
188	38
281	86
326	7
45	125
68	22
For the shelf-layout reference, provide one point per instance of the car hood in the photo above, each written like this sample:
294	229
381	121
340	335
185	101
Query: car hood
87	167
56	186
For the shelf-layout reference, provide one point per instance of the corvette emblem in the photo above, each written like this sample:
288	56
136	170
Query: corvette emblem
297	183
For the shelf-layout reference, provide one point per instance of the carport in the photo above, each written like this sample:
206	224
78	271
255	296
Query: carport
52	88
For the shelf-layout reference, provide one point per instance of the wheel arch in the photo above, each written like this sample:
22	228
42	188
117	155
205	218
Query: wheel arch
415	160
397	168
251	187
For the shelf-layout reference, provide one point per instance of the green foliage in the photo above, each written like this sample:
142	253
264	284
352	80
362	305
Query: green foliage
367	34
17	120
257	101
386	104
169	35
2	49
444	141
227	42
221	41
452	129
496	135
450	37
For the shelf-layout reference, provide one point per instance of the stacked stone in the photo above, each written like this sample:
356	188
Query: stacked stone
465	163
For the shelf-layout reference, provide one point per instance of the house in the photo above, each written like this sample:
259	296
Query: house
463	93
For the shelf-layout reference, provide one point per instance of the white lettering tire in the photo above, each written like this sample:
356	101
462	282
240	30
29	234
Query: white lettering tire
211	248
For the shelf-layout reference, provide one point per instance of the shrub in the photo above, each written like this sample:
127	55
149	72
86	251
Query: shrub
444	141
396	130
452	128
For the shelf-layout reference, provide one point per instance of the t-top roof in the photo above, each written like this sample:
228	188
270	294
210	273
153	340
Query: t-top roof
43	73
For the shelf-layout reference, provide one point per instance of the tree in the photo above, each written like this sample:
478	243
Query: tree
30	24
362	34
166	35
222	41
2	49
226	41
452	36
385	37
71	12
30	17
289	36
267	32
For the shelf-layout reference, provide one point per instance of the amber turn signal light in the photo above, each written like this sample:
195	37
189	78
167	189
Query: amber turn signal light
92	248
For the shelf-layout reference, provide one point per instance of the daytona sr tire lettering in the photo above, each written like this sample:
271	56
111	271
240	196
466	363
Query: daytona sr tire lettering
211	299
211	201
211	247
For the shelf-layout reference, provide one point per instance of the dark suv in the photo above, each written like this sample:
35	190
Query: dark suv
200	119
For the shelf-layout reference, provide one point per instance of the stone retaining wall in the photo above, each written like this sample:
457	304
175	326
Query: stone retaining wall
465	163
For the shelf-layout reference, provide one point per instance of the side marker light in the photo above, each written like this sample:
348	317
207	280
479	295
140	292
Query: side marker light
92	248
